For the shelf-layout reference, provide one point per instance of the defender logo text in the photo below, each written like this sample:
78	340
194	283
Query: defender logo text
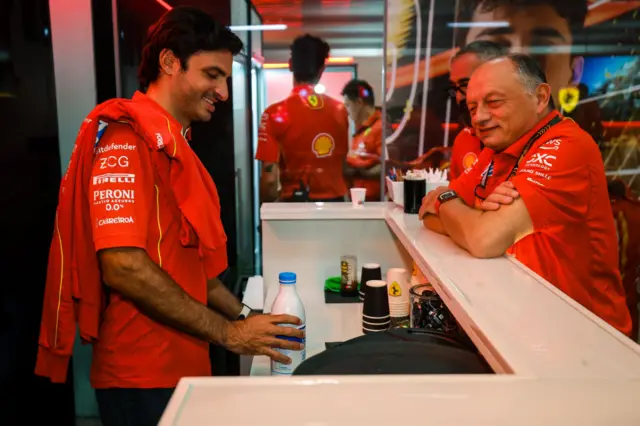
538	158
114	220
115	146
114	178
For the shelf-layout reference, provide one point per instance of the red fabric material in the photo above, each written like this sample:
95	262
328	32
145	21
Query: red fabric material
73	293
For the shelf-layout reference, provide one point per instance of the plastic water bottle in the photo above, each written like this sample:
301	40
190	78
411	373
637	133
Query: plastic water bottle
288	302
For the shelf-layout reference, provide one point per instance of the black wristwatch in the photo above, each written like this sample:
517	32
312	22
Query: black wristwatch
447	195
244	313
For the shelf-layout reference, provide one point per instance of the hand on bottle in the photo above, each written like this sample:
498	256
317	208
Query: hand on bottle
260	334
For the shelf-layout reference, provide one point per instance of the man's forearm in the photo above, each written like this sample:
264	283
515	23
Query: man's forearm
222	300
458	221
140	280
433	223
269	182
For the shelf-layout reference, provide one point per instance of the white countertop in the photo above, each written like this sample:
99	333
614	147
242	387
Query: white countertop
567	366
322	211
403	400
521	323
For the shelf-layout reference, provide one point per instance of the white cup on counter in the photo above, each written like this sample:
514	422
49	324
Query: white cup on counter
358	196
398	288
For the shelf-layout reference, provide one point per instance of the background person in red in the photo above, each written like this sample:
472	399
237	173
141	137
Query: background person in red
303	140
138	196
363	162
560	224
467	147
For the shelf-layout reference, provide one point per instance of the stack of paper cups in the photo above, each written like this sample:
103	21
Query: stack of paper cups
398	288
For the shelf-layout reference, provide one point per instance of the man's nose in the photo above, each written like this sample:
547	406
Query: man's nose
480	116
222	92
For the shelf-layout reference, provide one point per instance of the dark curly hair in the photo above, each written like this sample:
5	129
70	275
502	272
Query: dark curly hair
185	31
359	89
308	55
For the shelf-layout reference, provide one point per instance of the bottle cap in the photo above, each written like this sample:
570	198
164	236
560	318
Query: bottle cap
287	278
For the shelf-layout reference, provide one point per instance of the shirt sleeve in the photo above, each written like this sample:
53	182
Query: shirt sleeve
268	148
121	191
465	184
554	183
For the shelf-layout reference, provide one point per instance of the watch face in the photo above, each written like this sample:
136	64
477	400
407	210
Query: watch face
447	195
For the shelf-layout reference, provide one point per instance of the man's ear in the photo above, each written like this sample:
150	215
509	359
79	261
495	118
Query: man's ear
168	62
290	67
577	69
543	94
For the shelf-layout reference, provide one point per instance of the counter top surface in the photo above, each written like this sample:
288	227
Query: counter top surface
521	323
322	211
403	400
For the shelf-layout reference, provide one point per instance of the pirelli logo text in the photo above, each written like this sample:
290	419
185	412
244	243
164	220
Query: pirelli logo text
114	178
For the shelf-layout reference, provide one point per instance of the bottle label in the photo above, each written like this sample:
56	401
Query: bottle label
278	368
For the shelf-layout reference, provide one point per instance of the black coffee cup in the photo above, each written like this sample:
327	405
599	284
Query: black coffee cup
374	325
370	271
414	192
376	302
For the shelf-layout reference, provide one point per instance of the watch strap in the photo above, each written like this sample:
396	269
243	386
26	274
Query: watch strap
447	195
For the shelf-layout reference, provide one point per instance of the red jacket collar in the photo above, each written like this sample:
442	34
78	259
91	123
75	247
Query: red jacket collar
516	148
304	90
147	102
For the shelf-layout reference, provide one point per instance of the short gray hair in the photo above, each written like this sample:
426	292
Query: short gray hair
529	73
484	49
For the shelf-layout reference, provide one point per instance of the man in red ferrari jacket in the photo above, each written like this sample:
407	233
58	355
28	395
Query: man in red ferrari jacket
138	243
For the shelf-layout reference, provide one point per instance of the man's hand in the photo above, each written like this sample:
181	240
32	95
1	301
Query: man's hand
503	195
429	202
260	334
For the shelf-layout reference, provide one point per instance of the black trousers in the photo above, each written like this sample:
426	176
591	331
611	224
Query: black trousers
132	407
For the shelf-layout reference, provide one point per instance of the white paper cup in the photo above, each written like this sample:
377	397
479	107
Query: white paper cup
358	196
398	286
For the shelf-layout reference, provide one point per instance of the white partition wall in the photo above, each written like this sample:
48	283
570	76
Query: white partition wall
73	61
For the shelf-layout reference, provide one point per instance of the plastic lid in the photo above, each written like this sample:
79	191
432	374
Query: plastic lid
287	278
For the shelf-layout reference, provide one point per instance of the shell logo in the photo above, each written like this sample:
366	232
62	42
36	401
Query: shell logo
323	145
469	160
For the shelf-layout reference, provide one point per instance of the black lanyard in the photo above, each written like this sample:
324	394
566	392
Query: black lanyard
483	183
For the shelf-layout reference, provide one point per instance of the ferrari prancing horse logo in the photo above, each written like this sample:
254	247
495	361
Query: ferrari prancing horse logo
569	98
314	102
323	145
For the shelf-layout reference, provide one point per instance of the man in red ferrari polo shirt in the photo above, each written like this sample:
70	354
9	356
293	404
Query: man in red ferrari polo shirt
561	224
363	162
154	223
467	146
303	140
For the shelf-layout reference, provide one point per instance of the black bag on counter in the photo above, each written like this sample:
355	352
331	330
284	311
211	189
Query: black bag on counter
397	351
